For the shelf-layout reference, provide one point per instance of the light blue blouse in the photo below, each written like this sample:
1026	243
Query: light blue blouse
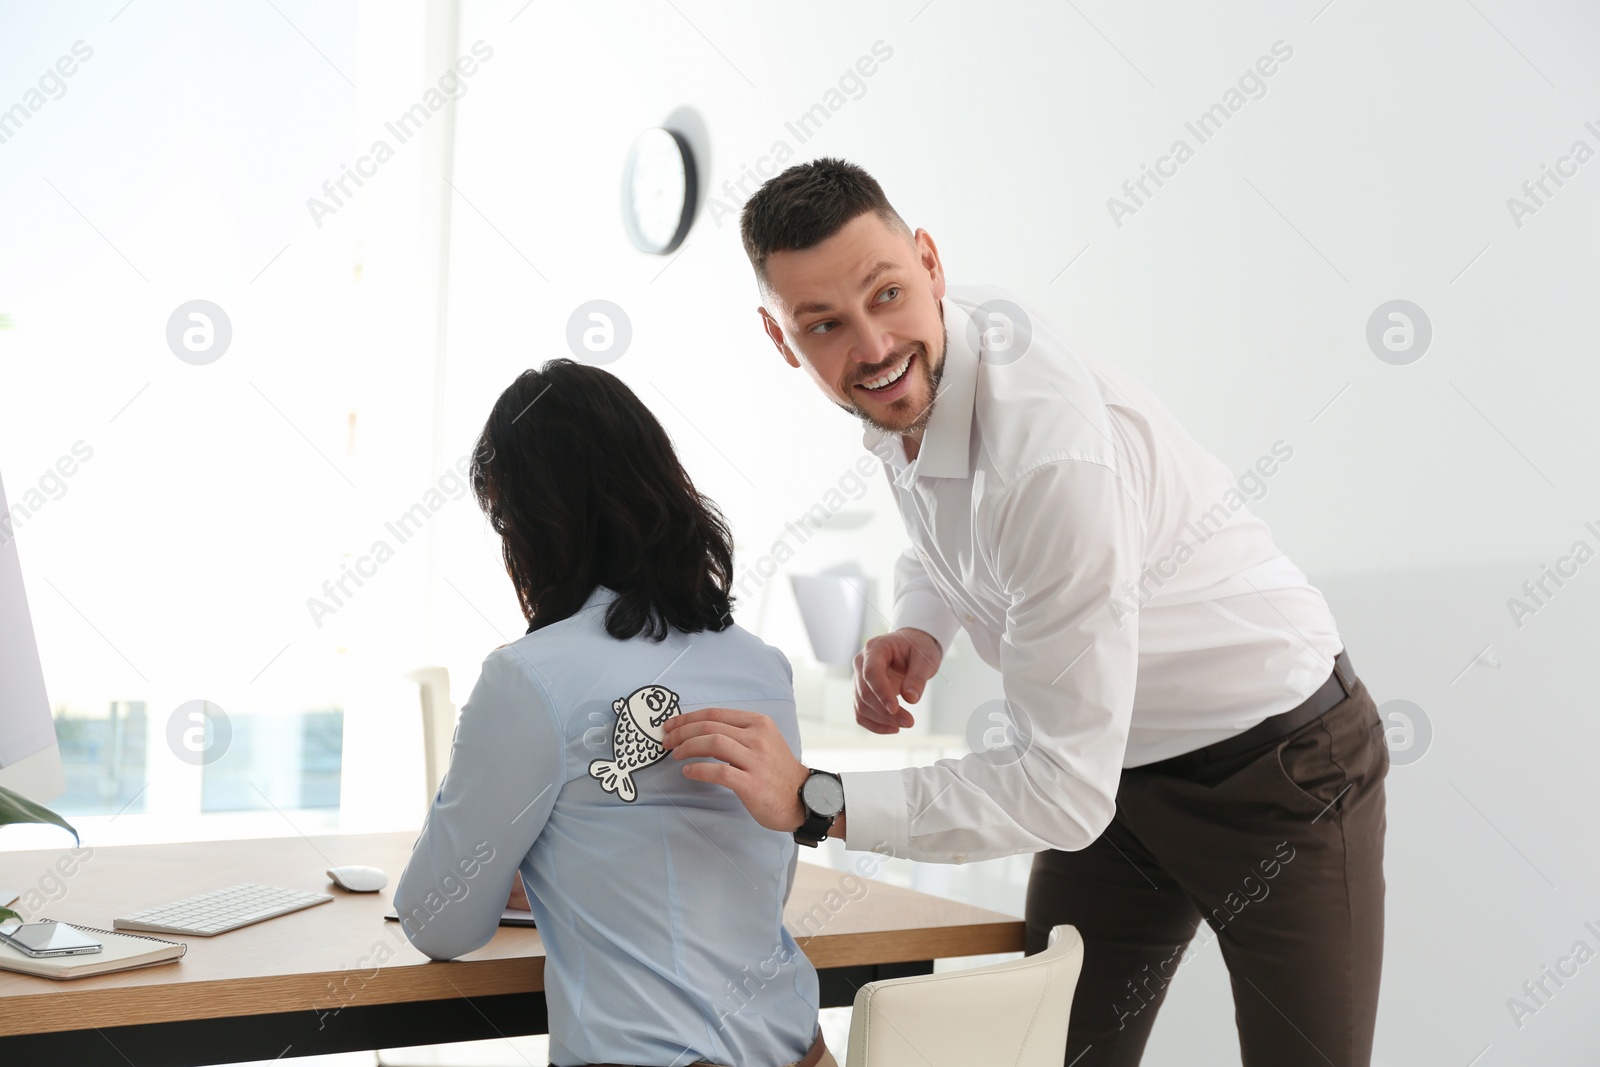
659	898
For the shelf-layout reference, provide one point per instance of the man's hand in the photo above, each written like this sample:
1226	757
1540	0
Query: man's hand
754	761
892	666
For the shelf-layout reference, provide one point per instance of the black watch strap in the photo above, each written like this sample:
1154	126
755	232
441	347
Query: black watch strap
812	832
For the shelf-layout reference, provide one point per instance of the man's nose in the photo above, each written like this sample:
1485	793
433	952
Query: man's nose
873	349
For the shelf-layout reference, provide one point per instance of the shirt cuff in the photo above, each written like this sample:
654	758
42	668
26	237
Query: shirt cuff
875	812
929	613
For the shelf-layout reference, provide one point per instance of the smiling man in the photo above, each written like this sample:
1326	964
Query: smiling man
1187	741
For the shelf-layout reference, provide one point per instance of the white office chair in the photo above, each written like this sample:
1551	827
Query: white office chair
1013	1013
438	724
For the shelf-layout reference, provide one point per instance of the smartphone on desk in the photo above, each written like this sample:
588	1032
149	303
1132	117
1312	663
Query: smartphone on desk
40	940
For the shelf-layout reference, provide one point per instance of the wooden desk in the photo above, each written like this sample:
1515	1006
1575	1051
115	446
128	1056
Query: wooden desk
337	977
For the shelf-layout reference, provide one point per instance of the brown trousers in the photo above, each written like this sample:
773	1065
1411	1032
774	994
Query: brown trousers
1279	850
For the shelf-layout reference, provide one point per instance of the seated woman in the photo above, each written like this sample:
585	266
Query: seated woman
659	899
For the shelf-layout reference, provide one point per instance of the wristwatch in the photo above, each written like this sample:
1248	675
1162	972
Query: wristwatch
822	795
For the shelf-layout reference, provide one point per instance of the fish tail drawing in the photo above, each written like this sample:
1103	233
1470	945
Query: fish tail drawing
614	778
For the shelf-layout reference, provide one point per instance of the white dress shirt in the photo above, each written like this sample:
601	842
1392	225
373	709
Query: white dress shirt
1105	563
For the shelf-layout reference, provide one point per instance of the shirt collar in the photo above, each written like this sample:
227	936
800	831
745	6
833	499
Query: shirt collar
598	597
946	450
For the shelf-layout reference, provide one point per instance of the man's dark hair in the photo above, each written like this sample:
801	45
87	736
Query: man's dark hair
806	205
582	485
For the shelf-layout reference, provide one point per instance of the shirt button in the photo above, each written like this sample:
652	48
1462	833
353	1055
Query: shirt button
969	618
960	857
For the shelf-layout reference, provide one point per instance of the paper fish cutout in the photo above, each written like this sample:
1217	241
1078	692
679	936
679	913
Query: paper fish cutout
637	740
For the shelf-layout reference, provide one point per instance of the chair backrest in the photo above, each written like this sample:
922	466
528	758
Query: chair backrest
1013	1013
438	724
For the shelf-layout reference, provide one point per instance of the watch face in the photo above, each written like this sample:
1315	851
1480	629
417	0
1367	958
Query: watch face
823	794
657	188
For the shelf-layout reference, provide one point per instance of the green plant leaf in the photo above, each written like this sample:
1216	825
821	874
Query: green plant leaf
7	913
17	808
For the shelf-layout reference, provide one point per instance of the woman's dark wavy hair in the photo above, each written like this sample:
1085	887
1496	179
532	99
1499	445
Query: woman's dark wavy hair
582	485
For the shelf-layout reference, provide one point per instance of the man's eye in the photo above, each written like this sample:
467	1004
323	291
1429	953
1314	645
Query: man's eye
893	289
822	327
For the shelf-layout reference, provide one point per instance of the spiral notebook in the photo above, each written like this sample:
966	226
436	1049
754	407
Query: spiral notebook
122	952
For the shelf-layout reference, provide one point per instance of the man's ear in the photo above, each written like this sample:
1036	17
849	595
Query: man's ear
775	332
928	255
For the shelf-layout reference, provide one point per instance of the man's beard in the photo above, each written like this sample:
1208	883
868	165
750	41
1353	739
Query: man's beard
931	375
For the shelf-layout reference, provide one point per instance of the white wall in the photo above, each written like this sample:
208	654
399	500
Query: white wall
1376	166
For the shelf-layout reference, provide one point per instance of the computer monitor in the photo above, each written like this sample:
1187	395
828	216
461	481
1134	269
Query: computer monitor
30	761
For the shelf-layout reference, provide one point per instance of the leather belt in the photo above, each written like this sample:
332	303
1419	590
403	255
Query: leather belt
812	1057
1341	684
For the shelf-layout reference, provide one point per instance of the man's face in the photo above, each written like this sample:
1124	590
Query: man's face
861	313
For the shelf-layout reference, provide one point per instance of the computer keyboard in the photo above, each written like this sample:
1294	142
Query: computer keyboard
221	910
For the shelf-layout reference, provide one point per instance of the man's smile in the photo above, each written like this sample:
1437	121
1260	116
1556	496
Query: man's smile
892	383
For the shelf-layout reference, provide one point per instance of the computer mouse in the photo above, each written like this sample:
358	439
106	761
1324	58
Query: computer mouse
358	879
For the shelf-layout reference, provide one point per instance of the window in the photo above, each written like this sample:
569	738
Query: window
212	500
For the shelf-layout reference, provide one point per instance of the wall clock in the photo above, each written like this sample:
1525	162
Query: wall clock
658	191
